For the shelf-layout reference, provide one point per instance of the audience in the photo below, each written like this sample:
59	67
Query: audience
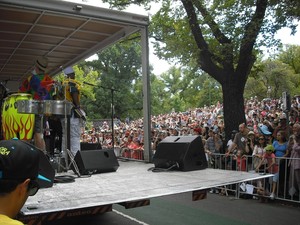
262	117
265	123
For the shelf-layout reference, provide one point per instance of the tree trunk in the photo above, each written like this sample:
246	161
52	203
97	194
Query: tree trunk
233	104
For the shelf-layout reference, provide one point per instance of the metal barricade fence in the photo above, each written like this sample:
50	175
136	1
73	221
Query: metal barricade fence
286	177
134	154
245	163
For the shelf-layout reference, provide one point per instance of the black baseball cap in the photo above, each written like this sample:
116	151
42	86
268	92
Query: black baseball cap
19	161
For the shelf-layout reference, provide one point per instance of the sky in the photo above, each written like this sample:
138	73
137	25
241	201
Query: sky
161	66
286	37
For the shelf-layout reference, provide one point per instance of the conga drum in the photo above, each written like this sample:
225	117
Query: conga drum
14	124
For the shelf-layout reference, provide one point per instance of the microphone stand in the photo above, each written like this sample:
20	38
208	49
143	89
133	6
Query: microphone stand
112	118
112	90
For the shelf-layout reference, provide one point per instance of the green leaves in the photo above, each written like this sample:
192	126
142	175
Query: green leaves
278	74
119	71
221	37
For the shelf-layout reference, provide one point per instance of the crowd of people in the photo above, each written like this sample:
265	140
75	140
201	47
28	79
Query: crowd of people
268	135
269	141
261	116
262	144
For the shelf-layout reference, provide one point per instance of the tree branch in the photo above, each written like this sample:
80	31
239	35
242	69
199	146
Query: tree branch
205	56
227	49
222	39
246	58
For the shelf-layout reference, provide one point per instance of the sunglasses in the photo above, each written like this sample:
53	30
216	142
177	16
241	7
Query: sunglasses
261	139
33	188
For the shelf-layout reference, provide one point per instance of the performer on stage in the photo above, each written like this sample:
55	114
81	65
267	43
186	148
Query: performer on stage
72	92
40	86
19	167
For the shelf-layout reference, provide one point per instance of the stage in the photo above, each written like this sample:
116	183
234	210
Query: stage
131	185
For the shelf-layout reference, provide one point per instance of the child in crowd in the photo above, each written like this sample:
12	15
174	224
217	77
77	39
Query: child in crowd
272	167
240	161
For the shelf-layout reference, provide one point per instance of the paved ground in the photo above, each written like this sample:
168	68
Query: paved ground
180	210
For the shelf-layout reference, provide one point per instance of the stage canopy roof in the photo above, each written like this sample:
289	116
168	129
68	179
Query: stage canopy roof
64	32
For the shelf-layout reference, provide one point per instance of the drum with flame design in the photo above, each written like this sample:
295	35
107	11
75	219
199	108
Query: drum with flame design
16	124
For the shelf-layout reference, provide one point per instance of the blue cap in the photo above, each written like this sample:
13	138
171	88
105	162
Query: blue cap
264	130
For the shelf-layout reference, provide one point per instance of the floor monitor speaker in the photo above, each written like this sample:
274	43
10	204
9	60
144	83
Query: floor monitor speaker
96	161
185	153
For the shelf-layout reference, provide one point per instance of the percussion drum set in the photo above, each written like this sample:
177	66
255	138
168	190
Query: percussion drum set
18	116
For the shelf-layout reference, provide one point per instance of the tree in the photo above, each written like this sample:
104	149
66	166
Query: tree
211	92
160	98
224	50
222	37
280	72
119	76
291	56
186	89
274	76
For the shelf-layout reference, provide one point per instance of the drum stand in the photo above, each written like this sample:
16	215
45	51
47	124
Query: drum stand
68	154
68	165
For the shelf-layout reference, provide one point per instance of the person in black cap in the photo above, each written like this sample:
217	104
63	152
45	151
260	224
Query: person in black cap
19	166
40	86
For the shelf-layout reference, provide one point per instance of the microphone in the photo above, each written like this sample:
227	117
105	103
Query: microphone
89	83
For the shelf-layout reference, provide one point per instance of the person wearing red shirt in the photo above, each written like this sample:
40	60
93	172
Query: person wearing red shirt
272	167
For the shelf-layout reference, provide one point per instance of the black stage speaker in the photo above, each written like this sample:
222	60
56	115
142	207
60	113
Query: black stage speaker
185	153
90	146
96	161
46	170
